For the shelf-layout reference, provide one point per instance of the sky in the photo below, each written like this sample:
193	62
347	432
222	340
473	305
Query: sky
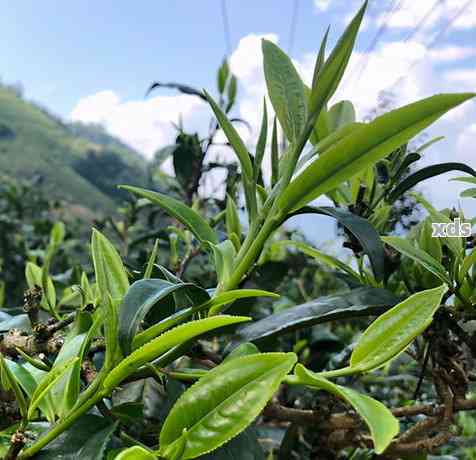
92	61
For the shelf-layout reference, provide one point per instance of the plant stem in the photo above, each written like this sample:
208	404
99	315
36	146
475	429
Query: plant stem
252	253
62	426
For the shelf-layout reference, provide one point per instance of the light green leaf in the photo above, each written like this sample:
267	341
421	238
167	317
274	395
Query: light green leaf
135	453
332	71
43	388
232	219
405	247
468	262
165	342
285	90
223	403
261	145
381	422
214	306
111	276
8	381
228	297
187	216
392	332
225	254
365	146
150	263
340	115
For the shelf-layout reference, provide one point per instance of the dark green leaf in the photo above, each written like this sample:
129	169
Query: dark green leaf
361	228
87	439
139	300
427	173
365	301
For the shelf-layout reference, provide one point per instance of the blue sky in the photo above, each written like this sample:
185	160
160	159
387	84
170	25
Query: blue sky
92	60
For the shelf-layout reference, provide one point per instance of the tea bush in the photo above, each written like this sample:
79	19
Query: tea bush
189	353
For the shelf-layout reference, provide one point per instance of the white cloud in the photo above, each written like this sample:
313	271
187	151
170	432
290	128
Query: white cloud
144	124
452	53
322	5
466	77
427	13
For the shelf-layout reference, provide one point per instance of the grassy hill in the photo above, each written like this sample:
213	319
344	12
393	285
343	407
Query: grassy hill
77	163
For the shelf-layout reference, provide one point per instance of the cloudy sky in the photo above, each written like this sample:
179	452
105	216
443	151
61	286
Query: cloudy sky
92	61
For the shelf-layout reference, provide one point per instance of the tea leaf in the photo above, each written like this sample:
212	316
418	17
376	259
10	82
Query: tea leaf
223	403
392	332
285	89
49	380
381	422
364	301
332	71
214	305
135	453
408	249
427	173
139	300
261	145
365	146
111	276
187	216
165	342
233	138
361	228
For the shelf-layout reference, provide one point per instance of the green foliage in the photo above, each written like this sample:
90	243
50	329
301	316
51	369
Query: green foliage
126	332
224	403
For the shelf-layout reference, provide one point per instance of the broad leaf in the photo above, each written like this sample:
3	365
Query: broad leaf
381	422
365	301
111	276
285	90
364	147
187	216
421	257
392	332
141	297
160	345
223	403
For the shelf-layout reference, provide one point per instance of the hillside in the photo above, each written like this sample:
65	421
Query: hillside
77	163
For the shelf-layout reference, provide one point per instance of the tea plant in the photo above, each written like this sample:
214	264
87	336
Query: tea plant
71	377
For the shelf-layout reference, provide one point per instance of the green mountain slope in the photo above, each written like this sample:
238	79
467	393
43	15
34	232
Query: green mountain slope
76	163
